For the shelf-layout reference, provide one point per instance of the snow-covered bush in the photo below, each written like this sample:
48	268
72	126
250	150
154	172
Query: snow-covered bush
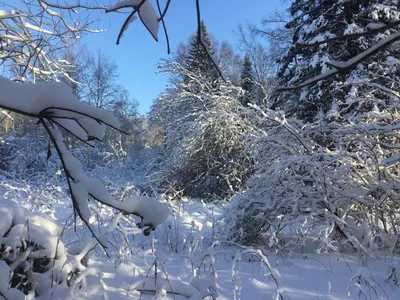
26	155
204	126
321	186
33	259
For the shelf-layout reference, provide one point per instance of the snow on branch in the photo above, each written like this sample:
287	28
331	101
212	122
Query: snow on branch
56	107
372	29
31	38
344	67
146	12
72	7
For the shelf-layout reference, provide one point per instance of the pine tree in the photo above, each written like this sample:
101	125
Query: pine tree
198	59
247	81
317	20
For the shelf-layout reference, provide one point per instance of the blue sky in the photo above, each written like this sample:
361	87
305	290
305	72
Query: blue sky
138	54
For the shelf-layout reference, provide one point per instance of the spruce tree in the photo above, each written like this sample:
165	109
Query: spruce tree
198	59
247	82
317	20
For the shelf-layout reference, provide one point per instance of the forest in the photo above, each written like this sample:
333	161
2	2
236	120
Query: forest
269	169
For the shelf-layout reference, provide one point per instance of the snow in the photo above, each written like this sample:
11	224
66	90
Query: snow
344	65
5	14
123	4
149	18
147	15
56	99
187	250
194	260
153	212
4	290
300	277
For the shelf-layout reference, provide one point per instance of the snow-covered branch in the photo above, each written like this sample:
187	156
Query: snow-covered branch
345	67
371	29
146	13
56	107
30	39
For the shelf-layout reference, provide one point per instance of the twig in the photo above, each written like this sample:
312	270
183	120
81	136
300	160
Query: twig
200	41
163	23
127	20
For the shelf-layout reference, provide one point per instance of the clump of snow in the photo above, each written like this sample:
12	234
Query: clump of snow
153	212
146	12
57	100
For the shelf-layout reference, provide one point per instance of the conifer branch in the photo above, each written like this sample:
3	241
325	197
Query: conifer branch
345	67
368	32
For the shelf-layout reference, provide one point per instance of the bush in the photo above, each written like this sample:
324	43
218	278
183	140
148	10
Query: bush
322	185
33	255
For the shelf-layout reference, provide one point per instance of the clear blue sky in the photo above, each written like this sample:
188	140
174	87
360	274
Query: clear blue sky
138	54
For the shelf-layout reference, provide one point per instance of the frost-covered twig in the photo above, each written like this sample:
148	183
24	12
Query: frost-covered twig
31	38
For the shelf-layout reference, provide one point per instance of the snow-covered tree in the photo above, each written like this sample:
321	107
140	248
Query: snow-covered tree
262	62
31	38
228	61
328	74
54	105
247	81
302	194
198	58
203	124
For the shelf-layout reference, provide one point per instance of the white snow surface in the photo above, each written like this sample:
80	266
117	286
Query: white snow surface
301	277
191	237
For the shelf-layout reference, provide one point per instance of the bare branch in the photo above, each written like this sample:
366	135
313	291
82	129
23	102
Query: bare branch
163	23
162	15
201	42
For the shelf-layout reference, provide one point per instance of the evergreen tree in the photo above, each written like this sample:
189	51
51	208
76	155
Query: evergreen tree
247	81
198	60
317	20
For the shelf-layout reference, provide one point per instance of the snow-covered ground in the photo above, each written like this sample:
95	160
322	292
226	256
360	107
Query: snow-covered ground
302	276
187	257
